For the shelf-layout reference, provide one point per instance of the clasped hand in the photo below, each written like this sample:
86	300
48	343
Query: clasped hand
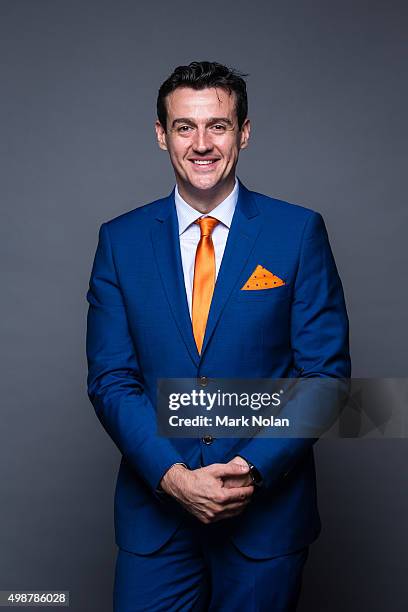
211	493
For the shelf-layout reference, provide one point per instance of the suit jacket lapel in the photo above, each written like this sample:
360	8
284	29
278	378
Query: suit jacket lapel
244	230
166	245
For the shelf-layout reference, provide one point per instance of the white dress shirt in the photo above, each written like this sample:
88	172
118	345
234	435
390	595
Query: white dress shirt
189	233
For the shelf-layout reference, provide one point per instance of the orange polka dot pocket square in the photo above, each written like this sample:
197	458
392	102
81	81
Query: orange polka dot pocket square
261	278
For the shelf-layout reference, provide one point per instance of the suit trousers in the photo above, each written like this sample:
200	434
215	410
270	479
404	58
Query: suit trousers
199	569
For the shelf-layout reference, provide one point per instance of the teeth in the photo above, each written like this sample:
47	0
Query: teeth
203	162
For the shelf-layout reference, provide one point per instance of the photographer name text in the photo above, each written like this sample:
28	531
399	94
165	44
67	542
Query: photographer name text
225	421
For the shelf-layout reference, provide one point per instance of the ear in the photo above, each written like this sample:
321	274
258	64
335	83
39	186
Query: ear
245	131
161	135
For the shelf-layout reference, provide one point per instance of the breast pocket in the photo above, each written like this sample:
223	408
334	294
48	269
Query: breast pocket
271	294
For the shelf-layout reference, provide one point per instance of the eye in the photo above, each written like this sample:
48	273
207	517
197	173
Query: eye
219	128
184	128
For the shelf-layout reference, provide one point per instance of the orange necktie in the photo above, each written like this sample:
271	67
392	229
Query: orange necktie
204	279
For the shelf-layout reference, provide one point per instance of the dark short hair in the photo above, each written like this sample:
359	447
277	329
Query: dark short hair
200	75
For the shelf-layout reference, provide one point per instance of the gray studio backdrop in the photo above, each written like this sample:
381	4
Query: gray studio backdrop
79	83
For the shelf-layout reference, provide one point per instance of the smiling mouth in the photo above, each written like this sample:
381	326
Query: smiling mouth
204	163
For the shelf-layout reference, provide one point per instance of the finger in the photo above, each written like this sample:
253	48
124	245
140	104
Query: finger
228	469
229	514
234	506
237	481
219	511
236	494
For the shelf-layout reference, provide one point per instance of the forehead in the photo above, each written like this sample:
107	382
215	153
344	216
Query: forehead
188	102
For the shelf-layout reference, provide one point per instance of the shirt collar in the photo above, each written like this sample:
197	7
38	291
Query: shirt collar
224	211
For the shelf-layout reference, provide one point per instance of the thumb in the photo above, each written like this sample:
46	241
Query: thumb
228	469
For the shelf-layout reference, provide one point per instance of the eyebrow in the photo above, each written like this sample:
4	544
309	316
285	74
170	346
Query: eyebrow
211	120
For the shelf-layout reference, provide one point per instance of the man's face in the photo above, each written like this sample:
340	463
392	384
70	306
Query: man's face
202	126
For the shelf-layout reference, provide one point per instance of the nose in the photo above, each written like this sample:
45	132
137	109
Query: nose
202	141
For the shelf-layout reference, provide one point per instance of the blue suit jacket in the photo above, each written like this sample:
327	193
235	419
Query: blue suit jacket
139	330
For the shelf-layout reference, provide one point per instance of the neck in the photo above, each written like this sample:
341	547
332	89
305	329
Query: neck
205	200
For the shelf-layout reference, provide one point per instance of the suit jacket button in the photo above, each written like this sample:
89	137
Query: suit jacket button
208	439
203	380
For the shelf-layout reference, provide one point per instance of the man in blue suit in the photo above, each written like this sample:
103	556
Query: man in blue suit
210	524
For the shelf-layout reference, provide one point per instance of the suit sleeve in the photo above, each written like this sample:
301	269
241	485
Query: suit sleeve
115	382
320	345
